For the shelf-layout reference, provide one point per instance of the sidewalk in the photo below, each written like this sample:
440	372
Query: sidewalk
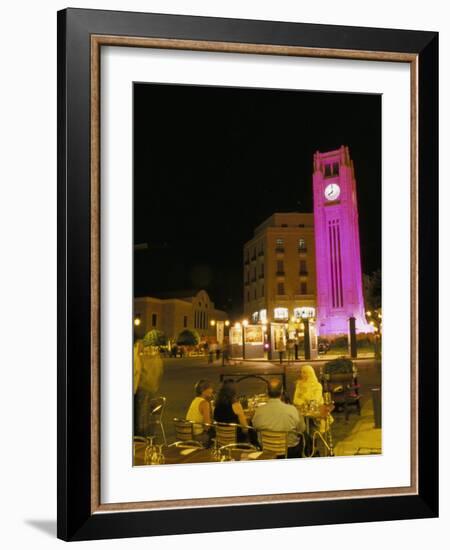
364	438
320	359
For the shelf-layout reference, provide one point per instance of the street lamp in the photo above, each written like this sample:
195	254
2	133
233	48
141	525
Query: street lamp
137	321
244	325
376	322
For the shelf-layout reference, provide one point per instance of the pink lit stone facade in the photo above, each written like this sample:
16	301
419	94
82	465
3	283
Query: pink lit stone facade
336	235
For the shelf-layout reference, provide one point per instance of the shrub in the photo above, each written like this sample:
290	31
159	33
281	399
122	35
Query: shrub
188	338
340	365
155	338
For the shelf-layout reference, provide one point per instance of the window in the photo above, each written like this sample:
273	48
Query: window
280	288
303	268
185	321
261	270
327	170
263	315
335	168
301	244
154	319
279	245
284	225
248	296
280	267
303	288
254	294
262	291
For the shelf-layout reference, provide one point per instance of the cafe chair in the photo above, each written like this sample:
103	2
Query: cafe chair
187	444
184	429
156	411
225	433
340	379
138	440
344	389
274	442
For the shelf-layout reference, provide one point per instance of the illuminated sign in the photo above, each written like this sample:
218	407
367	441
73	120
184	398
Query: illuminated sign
304	312
281	313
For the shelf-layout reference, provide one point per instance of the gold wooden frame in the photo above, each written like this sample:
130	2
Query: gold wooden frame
97	41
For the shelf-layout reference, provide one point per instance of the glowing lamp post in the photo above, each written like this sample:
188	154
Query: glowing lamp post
244	325
306	315
375	320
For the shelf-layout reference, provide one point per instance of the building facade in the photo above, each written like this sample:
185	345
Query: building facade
309	265
174	312
279	268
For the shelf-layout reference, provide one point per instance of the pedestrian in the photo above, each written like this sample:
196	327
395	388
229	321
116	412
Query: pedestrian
226	352
290	350
212	352
281	348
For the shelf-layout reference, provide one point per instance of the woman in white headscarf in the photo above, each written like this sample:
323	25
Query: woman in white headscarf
308	388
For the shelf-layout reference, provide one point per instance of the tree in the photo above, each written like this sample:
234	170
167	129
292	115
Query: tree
155	338
188	338
372	290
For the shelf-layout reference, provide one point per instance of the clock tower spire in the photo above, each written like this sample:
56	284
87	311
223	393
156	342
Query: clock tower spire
338	257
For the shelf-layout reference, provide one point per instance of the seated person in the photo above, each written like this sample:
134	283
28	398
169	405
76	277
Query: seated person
308	389
200	411
228	409
280	417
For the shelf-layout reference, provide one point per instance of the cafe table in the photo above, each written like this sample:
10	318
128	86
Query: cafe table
191	455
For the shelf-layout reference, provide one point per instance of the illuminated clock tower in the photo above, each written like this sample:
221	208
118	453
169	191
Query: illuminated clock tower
338	257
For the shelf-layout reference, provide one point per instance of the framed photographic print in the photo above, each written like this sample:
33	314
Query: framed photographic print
247	263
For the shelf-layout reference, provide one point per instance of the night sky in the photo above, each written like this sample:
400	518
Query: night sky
211	163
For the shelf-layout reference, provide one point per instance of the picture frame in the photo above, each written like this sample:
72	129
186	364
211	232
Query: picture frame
81	35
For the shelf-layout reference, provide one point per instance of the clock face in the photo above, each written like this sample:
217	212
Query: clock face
332	191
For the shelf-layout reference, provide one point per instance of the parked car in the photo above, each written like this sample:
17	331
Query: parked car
324	347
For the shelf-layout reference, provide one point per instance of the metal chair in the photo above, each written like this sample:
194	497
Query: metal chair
184	429
138	440
157	406
274	442
225	433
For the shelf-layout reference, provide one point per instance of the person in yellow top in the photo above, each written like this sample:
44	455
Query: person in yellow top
200	410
